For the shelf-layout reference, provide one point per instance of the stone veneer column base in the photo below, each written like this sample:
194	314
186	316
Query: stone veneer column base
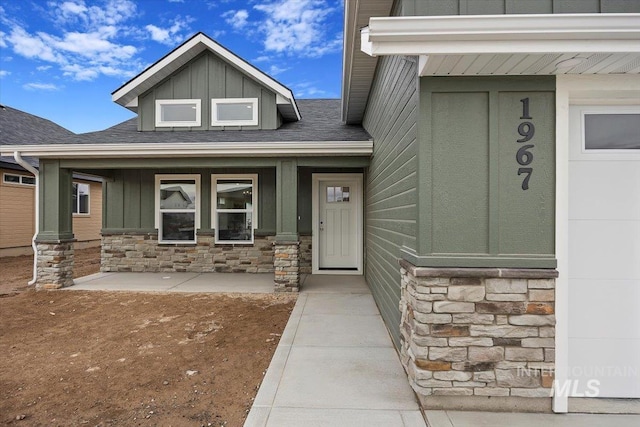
286	264
479	338
54	267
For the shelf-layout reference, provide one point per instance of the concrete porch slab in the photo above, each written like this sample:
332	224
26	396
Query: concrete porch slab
176	282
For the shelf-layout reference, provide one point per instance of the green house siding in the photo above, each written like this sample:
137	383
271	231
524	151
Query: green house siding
207	77
129	198
499	7
486	167
390	190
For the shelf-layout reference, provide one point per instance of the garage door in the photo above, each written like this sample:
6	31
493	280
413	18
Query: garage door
604	251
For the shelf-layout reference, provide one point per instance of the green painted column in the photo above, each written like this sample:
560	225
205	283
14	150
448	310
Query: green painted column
55	202
287	200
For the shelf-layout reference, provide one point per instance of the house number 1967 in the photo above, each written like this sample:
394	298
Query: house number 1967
524	157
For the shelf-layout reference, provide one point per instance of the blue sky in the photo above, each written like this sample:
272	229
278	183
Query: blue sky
61	59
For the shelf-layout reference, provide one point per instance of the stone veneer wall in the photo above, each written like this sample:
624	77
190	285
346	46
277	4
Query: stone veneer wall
54	268
287	266
143	253
305	254
485	336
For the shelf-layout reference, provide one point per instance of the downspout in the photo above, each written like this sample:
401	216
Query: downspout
19	160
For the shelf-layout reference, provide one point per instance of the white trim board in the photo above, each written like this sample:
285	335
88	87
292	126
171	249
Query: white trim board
315	206
127	95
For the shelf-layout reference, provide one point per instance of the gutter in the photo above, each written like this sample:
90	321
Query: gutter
19	160
208	149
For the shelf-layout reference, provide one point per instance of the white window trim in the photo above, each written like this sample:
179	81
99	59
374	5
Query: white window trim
177	177
214	205
614	154
161	123
216	101
78	201
17	183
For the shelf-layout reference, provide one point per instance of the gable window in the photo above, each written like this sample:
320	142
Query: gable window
177	204
235	208
234	112
80	199
10	178
178	112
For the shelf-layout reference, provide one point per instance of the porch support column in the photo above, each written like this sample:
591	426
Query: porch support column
287	245
55	238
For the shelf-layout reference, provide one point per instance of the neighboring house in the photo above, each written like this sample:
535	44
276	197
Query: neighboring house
17	187
480	171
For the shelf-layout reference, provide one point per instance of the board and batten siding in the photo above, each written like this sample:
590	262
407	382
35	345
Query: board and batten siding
129	198
500	7
207	77
390	199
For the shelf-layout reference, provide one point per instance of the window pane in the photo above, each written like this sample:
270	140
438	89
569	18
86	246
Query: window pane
178	226
234	194
83	198
331	196
234	226
345	194
177	194
29	180
235	111
612	131
12	179
178	112
74	198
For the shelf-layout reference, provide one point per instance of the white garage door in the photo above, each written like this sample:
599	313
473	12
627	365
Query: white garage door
604	251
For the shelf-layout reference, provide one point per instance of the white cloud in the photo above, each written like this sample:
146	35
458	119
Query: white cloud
171	35
275	70
43	67
4	73
236	18
31	46
40	86
176	1
298	27
73	8
2	37
263	58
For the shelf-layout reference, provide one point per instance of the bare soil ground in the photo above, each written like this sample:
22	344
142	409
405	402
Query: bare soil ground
133	359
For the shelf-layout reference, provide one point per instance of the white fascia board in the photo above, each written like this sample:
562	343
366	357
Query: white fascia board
219	50
555	33
201	149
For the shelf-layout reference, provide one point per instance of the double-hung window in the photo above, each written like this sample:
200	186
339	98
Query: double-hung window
235	207
80	199
177	208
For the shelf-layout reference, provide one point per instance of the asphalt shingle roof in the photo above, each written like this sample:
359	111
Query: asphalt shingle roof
320	122
20	128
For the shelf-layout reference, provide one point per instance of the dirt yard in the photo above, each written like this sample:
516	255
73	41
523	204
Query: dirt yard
129	359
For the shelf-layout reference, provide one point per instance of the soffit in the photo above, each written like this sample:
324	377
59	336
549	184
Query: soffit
358	68
511	44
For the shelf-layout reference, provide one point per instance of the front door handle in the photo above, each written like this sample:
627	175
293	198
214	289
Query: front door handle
321	226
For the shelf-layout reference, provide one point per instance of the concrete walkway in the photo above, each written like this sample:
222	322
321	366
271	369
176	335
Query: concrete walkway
335	364
494	419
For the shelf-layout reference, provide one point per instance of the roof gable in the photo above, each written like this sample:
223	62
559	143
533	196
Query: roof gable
127	94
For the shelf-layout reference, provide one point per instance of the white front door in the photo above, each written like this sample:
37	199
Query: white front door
604	252
338	227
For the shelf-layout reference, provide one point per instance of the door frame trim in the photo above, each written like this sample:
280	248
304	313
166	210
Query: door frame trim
315	214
